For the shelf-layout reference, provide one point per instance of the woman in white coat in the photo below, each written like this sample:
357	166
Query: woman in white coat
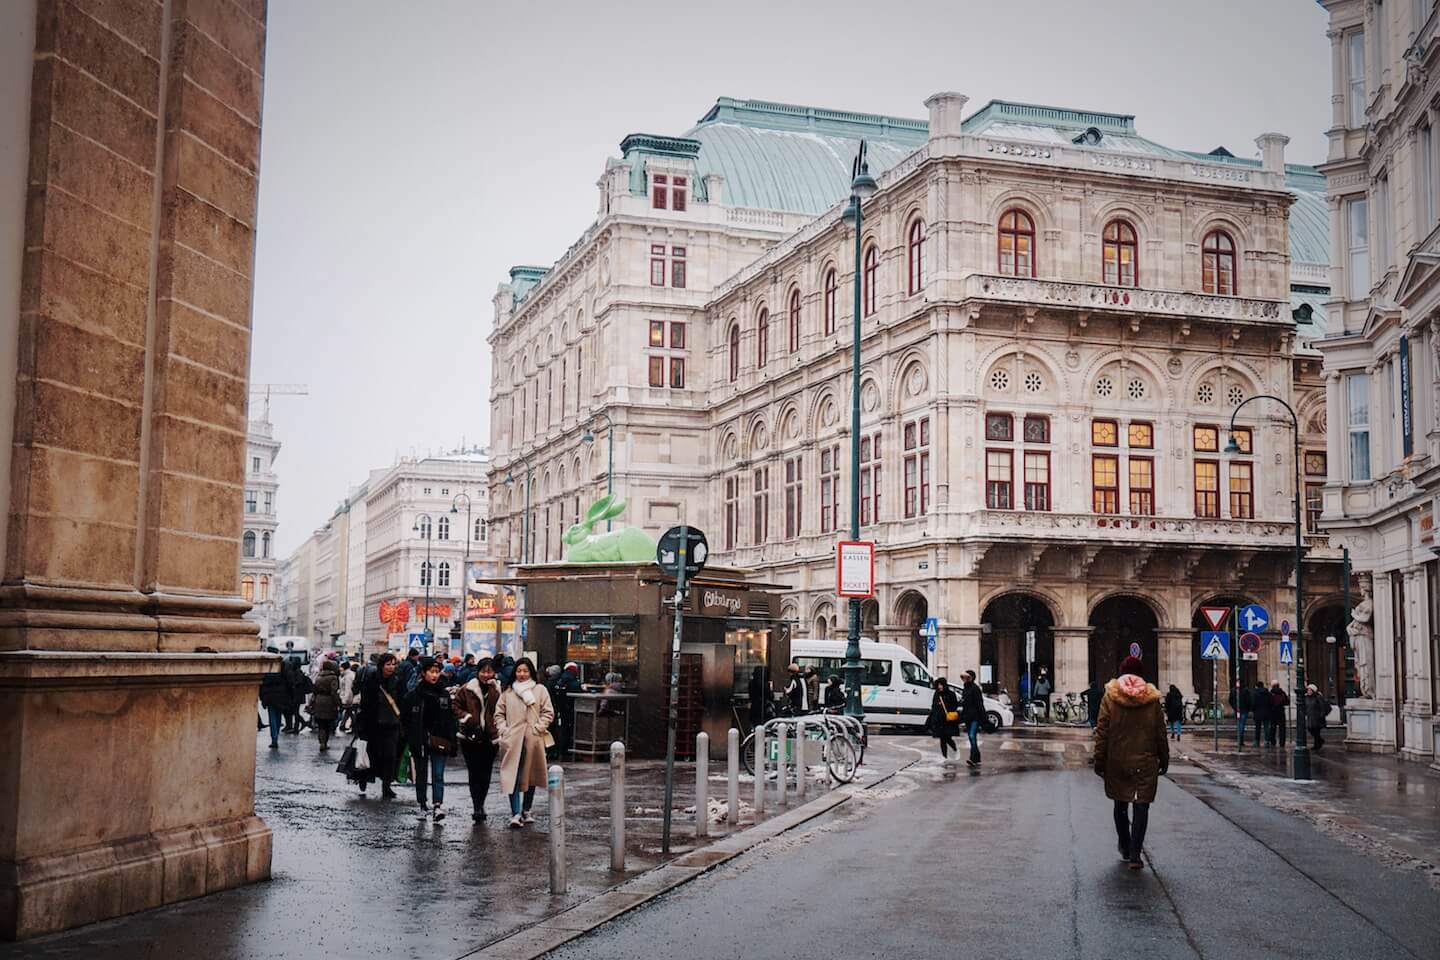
523	717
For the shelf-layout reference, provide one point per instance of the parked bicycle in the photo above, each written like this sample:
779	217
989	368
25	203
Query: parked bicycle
841	738
1070	710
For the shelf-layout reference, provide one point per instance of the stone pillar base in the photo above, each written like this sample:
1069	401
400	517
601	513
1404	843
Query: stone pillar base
1370	726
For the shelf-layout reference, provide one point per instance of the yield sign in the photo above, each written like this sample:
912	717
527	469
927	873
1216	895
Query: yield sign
1215	616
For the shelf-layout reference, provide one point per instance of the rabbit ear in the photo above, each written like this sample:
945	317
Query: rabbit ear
575	534
614	509
596	513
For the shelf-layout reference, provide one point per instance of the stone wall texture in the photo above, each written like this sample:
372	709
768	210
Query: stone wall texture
122	648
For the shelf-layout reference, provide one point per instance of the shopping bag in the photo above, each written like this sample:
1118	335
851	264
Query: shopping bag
347	761
403	773
362	755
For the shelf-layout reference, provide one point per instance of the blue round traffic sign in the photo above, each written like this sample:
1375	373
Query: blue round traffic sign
1253	619
1135	650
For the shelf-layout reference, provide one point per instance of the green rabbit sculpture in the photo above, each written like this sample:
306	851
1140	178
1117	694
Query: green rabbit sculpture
630	545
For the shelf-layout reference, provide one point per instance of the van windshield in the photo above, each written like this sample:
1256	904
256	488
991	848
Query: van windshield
916	674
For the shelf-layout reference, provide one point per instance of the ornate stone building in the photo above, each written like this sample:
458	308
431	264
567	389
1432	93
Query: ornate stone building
1058	318
259	567
1382	361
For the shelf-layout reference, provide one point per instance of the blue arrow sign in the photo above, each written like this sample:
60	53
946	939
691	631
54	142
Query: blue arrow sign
931	629
1287	651
1254	619
1214	645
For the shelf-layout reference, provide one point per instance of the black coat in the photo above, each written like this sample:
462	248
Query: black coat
1093	696
376	715
275	691
834	695
936	723
1244	701
1260	701
972	705
427	714
1174	706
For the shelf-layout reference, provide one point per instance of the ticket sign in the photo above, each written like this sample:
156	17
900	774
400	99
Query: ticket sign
855	568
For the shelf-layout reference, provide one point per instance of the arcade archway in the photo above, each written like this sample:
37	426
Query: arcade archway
870	619
1116	623
1324	660
911	611
1003	626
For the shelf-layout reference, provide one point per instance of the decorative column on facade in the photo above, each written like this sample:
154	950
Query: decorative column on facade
1176	648
958	649
1072	658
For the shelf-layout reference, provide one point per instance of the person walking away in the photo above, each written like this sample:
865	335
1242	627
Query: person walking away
758	691
1317	708
1043	691
1174	710
523	717
568	683
474	705
1024	692
1260	706
1092	697
378	724
972	715
795	691
325	702
944	719
1244	703
430	732
834	694
1132	754
812	687
275	698
297	686
1279	701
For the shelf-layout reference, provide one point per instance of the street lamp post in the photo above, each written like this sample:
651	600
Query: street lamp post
862	186
465	564
426	532
589	437
1302	749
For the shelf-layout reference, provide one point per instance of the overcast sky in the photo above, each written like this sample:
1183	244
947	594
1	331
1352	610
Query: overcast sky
410	158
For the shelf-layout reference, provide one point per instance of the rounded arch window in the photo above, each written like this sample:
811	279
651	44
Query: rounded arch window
1120	254
916	255
1017	244
831	285
762	337
247	545
793	325
1217	268
734	352
871	271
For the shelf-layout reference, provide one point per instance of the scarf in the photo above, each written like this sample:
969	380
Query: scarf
526	691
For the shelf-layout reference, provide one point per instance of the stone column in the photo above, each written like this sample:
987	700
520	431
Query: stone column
1072	659
1177	659
128	679
957	649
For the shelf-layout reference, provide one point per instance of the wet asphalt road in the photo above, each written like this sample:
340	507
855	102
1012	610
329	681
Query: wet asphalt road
1020	861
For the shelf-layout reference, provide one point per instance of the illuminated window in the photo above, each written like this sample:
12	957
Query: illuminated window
1141	435
1104	433
1207	439
1242	499
1218	263
1037	481
1105	482
1017	244
999	479
1142	486
1207	488
1120	254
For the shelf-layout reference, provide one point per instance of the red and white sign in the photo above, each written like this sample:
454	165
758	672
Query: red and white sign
1215	616
855	569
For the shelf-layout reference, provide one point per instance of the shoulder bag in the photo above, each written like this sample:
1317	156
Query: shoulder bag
951	716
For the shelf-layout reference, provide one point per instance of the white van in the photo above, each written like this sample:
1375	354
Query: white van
295	648
894	684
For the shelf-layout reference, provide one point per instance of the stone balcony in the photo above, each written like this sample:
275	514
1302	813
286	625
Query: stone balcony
1125	529
1124	301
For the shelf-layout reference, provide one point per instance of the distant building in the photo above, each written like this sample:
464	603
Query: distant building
258	564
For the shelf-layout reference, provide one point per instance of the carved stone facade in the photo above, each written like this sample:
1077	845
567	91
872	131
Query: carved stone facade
127	674
1039	317
1382	361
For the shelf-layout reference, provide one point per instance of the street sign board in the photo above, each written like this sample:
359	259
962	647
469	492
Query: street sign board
855	568
1214	645
1284	628
930	644
1249	656
417	641
1215	616
1135	651
1029	644
1253	619
1250	642
931	629
1287	651
682	542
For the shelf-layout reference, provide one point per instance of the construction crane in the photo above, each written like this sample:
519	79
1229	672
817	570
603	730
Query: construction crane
267	390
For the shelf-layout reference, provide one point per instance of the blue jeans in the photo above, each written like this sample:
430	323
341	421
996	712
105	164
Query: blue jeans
1175	728
275	720
972	730
515	801
436	770
1240	719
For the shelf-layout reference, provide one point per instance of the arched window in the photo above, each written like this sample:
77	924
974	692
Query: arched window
265	545
444	580
442	531
1217	264
247	588
762	338
1017	244
1120	254
264	589
917	256
425	573
247	545
734	351
794	325
424	528
830	286
480	532
872	266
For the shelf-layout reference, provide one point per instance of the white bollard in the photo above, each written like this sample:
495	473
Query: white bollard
556	783
617	806
759	801
800	761
782	772
732	770
702	785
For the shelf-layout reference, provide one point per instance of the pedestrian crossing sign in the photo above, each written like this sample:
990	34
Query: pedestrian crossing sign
1214	645
1287	650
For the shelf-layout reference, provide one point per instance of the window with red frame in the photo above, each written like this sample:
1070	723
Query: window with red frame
734	351
999	479
678	188
1037	429
1120	254
657	264
657	333
1105	482
732	511
870	463
999	426
1242	491
1217	264
915	441
677	373
1017	244
831	284
872	268
677	335
657	371
1142	486
1314	506
677	266
1207	488
760	501
1037	480
762	338
829	488
794	501
659	190
794	325
916	259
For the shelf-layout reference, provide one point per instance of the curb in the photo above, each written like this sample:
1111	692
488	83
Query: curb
545	935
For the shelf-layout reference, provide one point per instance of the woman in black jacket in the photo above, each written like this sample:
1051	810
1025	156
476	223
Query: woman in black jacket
943	704
1174	710
430	731
972	715
379	724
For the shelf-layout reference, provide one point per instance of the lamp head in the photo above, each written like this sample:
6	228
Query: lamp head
864	185
510	476
1232	448
454	509
847	216
587	436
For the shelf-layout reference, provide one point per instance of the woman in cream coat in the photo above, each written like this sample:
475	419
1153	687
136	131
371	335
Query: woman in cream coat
523	717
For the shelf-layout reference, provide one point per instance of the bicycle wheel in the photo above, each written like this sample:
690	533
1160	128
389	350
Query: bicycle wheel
747	754
840	759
